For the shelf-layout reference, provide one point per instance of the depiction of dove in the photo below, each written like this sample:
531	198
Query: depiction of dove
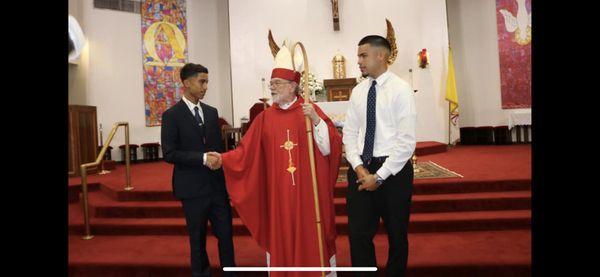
521	24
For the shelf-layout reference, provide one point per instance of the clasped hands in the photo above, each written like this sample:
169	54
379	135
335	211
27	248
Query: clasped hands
368	181
213	160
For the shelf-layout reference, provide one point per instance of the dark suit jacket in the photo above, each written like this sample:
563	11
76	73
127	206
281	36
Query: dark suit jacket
184	143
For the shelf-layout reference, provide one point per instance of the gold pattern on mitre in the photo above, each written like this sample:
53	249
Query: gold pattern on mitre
391	38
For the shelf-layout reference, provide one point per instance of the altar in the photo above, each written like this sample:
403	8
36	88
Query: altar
520	120
335	110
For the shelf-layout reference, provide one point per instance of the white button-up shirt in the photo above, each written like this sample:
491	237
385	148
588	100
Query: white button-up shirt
395	129
191	106
321	133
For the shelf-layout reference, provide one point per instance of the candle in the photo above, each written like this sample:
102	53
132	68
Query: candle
264	92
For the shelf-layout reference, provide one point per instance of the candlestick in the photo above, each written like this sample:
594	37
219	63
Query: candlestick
101	143
264	92
411	79
102	171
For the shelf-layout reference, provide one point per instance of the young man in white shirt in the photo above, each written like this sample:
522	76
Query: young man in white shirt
379	139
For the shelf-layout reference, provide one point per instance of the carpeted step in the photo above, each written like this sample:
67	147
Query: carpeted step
485	169
75	189
419	222
440	186
102	206
139	194
430	147
457	202
488	253
464	221
497	241
457	185
477	201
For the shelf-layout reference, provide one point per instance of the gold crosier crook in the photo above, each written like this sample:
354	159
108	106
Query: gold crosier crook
311	152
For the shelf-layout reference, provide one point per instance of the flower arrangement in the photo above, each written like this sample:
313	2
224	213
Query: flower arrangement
315	86
423	58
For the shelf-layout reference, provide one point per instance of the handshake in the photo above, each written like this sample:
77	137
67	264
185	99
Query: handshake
213	160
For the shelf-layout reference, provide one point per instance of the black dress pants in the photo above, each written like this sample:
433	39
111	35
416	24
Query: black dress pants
390	202
217	210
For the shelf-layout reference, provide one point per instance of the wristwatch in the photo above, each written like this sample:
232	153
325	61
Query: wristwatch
379	180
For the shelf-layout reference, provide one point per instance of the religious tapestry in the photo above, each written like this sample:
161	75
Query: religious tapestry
513	19
164	52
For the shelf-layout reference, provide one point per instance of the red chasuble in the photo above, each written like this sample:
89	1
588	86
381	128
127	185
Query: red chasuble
269	182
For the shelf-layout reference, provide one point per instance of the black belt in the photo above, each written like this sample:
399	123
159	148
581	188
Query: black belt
374	159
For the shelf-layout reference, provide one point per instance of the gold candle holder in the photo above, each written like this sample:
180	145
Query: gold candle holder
264	101
339	66
416	168
102	172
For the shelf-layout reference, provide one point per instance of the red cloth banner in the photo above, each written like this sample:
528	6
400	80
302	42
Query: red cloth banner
514	46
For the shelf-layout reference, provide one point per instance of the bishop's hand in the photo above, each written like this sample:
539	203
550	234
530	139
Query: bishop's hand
309	111
213	160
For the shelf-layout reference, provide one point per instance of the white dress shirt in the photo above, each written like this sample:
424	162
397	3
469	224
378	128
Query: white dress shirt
395	129
191	106
321	133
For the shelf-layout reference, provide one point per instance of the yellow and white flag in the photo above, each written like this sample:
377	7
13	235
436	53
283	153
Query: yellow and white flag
452	97
451	94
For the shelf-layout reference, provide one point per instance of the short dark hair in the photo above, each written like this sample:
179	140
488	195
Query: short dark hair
190	70
375	40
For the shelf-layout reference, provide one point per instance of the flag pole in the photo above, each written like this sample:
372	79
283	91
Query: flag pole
311	152
449	103
449	123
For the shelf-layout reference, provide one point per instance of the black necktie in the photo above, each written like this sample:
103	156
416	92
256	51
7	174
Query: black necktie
370	134
197	116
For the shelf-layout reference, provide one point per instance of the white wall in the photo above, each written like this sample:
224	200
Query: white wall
208	38
78	72
109	73
474	40
110	78
418	24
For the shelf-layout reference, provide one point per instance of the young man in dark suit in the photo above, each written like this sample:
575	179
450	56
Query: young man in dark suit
190	130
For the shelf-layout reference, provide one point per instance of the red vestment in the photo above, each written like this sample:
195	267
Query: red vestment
279	210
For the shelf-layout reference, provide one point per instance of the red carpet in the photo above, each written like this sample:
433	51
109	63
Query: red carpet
142	232
494	253
430	147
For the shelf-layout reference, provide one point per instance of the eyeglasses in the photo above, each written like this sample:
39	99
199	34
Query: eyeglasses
278	83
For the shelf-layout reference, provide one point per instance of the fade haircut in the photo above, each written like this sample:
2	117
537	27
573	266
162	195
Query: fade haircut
378	41
191	70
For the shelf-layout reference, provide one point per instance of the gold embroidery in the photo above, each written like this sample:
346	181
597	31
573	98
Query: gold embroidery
289	145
